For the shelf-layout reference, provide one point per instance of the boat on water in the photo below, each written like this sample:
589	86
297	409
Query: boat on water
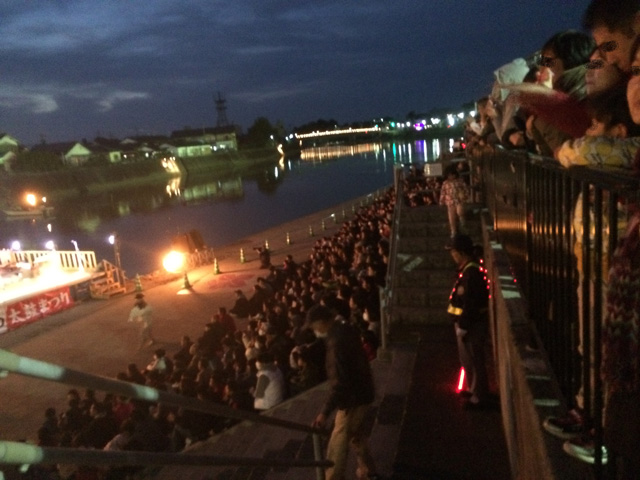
28	211
32	207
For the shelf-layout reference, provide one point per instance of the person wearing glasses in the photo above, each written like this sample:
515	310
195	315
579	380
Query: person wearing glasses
614	25
563	65
602	76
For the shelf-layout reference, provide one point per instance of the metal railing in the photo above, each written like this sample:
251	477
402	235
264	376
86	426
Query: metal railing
14	453
66	259
386	294
559	255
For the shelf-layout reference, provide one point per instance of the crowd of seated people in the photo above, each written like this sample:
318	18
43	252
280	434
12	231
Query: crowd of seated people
251	368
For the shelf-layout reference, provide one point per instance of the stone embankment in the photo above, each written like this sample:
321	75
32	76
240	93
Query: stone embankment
71	182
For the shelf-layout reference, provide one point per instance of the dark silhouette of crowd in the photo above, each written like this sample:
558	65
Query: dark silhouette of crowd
252	368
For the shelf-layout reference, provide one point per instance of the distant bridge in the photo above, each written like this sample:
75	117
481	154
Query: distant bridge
334	133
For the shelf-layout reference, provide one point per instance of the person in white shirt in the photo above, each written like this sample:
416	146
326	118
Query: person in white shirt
142	313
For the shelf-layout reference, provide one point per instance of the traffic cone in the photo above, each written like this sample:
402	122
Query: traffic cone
216	268
138	284
185	282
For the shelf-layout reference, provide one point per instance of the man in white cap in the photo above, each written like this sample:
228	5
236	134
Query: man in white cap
141	312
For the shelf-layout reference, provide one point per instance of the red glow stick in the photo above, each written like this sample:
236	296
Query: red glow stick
461	379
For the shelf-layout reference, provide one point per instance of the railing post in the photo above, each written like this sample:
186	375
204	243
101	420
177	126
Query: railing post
317	455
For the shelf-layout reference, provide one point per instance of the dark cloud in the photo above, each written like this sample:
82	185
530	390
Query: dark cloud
74	68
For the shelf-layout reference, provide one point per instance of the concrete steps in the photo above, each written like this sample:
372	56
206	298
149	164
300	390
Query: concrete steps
392	373
424	271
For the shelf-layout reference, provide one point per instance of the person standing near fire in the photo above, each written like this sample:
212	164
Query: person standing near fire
142	313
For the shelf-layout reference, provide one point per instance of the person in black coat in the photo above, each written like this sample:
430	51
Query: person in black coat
469	313
351	391
241	308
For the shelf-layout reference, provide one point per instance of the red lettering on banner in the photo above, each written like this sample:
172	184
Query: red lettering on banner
39	306
3	321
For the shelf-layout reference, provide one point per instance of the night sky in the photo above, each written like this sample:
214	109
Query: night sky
76	69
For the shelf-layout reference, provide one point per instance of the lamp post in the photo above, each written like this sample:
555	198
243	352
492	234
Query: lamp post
80	263
114	240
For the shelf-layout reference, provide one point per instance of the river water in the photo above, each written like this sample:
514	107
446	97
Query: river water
223	210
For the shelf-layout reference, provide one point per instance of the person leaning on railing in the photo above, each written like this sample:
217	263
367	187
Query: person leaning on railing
614	117
605	143
620	342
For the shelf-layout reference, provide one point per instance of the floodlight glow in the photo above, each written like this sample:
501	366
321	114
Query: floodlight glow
111	239
173	262
461	115
31	199
49	245
15	245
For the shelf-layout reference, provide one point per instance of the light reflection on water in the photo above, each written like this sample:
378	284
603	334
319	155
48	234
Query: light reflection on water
224	210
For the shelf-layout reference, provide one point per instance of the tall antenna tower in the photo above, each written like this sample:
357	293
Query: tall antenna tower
221	107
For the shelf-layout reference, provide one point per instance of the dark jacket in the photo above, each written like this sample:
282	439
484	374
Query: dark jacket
241	308
348	369
469	300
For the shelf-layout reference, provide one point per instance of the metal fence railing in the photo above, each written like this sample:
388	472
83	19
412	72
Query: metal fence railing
559	227
386	294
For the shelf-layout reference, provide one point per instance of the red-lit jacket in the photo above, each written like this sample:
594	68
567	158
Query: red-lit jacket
469	299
